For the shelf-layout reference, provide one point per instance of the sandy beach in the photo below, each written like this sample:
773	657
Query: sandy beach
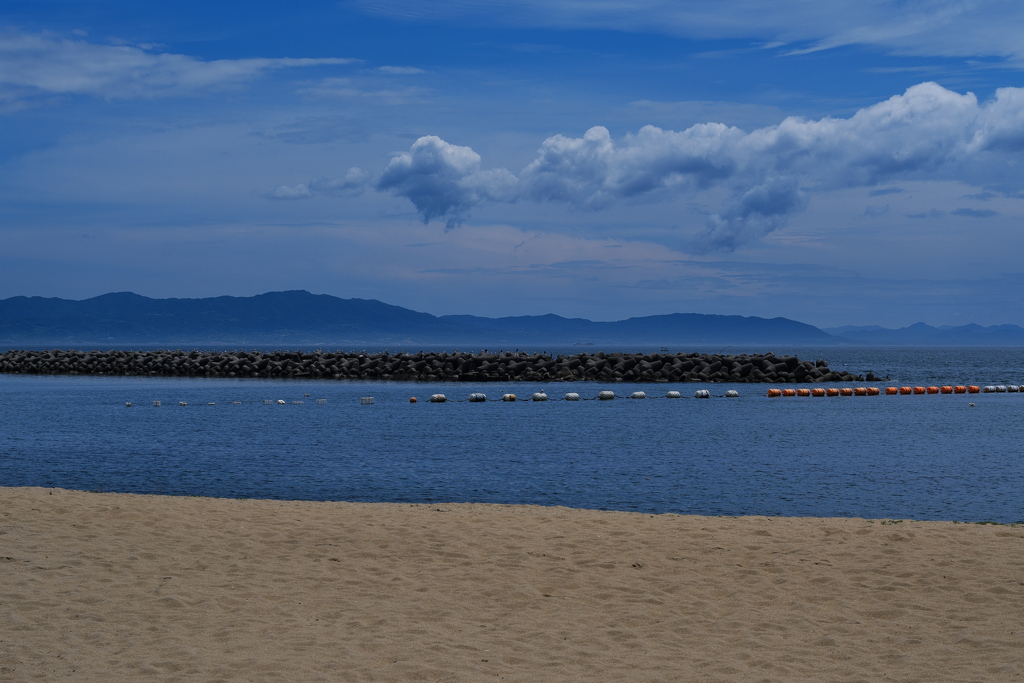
101	587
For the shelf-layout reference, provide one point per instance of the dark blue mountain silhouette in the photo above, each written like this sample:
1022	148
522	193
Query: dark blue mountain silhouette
920	334
298	317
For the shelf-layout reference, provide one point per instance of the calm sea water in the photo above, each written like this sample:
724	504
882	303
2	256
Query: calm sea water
906	457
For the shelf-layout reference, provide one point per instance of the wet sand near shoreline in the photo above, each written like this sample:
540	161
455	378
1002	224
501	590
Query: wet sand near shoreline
102	586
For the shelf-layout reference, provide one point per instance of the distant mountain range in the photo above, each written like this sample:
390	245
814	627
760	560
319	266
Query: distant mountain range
301	318
920	334
281	319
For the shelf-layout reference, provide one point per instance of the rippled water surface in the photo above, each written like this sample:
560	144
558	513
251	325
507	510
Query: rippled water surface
919	457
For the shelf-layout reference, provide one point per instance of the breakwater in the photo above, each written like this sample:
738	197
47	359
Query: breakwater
428	366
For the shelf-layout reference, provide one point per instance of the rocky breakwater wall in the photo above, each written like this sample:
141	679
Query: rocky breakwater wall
423	366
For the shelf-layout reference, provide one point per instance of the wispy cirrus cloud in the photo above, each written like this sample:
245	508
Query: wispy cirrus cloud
884	191
32	65
767	174
349	185
400	70
922	27
930	214
974	213
346	88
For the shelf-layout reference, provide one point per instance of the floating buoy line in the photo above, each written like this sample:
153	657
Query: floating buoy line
475	397
606	395
897	391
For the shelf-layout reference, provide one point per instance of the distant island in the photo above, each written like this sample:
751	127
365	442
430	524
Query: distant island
920	334
299	318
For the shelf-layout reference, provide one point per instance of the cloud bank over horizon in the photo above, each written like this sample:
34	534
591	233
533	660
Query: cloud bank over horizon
767	175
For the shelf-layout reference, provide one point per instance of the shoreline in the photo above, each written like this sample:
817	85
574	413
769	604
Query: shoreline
101	586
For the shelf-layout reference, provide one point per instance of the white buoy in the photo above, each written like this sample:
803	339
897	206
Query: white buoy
211	403
1000	388
989	389
477	398
182	403
438	398
321	401
732	393
299	403
128	404
157	404
540	396
702	393
673	394
572	396
638	394
606	395
508	398
368	400
267	402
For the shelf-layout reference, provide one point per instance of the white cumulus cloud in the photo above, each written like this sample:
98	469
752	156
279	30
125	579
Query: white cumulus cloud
768	174
444	180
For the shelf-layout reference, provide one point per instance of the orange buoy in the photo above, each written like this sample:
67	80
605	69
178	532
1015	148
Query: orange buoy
846	391
959	389
946	389
973	389
860	391
412	399
919	390
933	390
831	391
873	391
891	391
803	392
818	391
774	393
906	390
789	392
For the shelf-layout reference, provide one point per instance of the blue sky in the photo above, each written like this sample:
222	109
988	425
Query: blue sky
835	163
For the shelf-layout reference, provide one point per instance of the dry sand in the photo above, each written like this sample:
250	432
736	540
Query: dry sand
106	587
